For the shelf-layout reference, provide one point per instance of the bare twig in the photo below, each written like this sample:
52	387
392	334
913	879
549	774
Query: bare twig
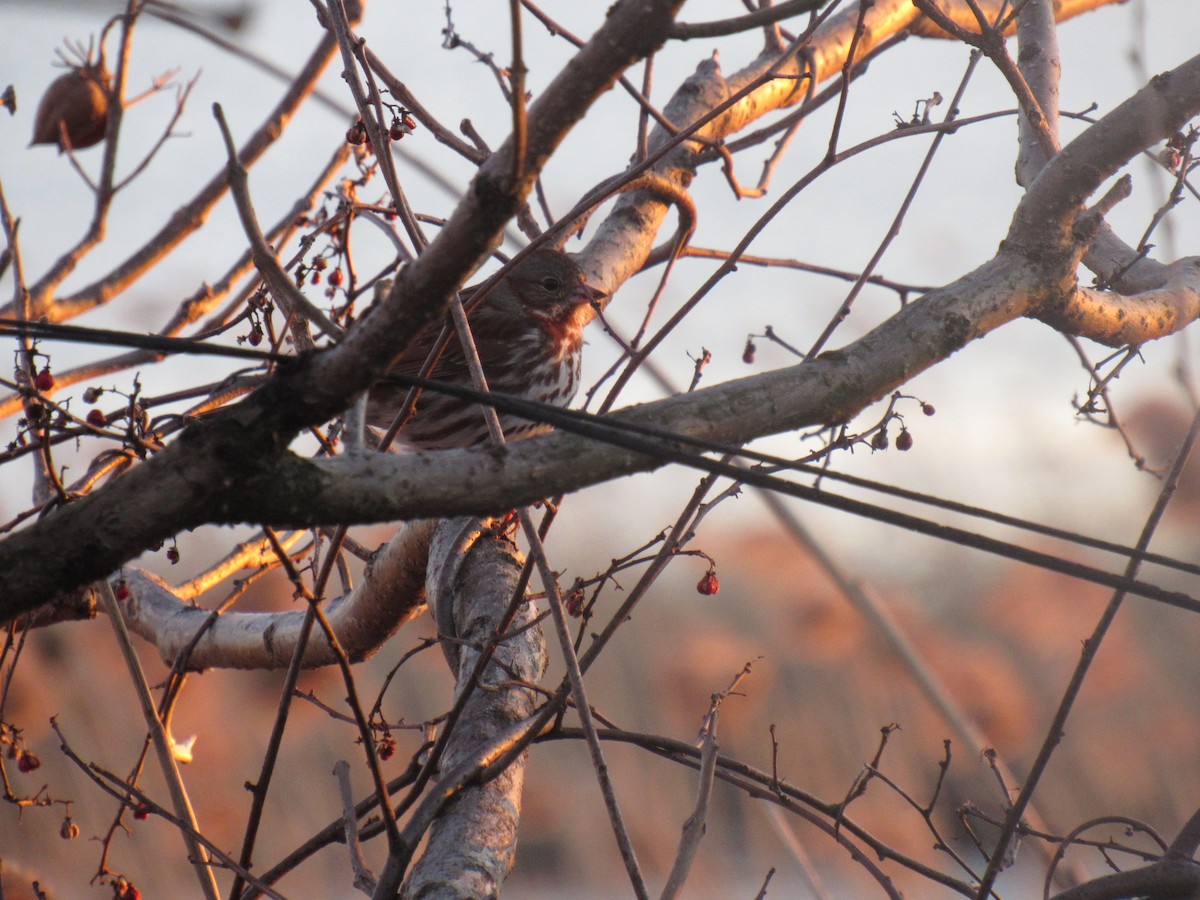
1091	647
170	770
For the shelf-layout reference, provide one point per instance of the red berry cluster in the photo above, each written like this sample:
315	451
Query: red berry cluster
403	124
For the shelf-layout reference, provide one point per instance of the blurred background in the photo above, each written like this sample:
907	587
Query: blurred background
1003	637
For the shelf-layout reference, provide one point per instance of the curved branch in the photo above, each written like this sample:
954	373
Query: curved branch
391	595
768	15
1169	877
1118	320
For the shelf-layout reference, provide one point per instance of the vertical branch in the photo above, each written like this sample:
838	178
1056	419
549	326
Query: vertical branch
643	132
473	573
582	709
370	111
179	798
43	472
847	69
258	788
1039	61
696	824
516	78
558	614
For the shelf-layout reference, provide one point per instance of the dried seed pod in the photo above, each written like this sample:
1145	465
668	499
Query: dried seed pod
74	109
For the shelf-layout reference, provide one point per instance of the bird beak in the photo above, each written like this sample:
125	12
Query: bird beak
585	293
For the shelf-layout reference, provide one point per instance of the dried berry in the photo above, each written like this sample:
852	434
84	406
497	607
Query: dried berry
879	440
122	590
402	125
928	409
44	381
95	418
74	110
28	762
68	831
356	134
172	554
141	812
749	351
708	585
904	440
335	277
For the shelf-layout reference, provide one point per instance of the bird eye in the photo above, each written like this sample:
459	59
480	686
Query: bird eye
551	284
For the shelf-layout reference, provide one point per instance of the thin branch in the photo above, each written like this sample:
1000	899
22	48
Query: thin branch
1091	647
768	15
166	759
695	826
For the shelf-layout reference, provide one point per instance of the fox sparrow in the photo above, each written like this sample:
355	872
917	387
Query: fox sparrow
529	333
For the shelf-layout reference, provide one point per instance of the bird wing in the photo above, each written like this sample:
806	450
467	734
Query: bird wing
452	364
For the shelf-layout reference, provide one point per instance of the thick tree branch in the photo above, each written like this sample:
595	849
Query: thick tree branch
472	842
1041	65
390	596
1045	217
1118	320
222	475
